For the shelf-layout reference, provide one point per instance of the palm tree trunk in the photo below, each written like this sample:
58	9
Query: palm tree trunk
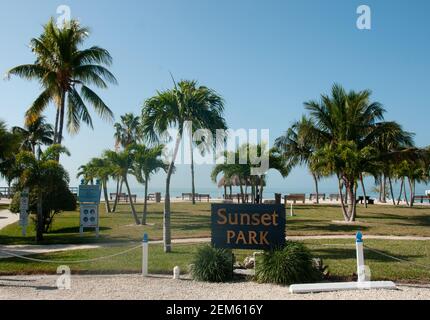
62	112
241	191
406	195
401	190
391	190
384	189
316	187
106	197
225	192
354	203
351	200
40	224
412	190
364	190
145	204
261	189
133	209
57	116
193	186
115	204
345	215
167	233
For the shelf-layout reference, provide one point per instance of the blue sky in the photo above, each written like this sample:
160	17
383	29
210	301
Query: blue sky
264	57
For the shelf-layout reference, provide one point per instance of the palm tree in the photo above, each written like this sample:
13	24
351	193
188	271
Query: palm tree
347	123
243	171
35	134
147	161
175	108
127	132
298	149
121	164
65	73
100	169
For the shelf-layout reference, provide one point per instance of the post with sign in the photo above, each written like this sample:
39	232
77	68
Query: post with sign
23	210
89	200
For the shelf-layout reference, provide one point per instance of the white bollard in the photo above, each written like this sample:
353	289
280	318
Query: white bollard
361	268
291	211
176	273
145	245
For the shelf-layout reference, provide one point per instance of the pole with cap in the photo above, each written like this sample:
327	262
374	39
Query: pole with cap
145	244
361	270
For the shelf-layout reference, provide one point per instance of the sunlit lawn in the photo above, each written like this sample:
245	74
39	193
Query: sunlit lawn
338	255
190	221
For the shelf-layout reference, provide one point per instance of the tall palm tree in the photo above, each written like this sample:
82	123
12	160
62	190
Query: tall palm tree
127	132
121	164
347	122
9	148
35	134
147	161
297	148
65	73
175	108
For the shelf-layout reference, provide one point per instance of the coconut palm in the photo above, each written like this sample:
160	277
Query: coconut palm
121	164
175	108
9	148
127	131
147	161
347	122
65	73
297	148
35	134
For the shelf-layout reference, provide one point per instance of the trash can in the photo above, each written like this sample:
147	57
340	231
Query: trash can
158	197
278	198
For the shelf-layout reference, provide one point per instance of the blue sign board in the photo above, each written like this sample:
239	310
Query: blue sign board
248	226
90	193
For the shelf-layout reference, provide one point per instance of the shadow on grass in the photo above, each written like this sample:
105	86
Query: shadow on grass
346	253
75	230
295	225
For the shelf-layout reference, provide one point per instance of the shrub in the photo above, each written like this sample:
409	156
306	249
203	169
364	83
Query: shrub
212	265
54	202
290	264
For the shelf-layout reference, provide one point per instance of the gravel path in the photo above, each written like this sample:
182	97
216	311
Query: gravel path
134	287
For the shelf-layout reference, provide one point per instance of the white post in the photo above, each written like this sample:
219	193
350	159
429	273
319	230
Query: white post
361	270
176	273
145	244
291	211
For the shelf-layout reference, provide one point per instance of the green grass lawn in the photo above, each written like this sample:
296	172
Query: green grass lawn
338	255
190	221
4	206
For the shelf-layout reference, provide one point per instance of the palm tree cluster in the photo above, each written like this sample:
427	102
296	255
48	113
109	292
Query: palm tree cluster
345	135
238	171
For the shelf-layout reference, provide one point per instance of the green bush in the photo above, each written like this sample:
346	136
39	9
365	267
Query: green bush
212	265
288	265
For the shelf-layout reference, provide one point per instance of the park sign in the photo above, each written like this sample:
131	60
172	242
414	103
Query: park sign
248	226
90	193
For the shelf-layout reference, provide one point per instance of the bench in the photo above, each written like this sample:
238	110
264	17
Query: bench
123	197
295	197
204	196
421	198
368	200
188	195
113	195
314	196
334	196
151	197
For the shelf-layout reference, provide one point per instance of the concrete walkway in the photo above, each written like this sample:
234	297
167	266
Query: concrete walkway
26	250
7	218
